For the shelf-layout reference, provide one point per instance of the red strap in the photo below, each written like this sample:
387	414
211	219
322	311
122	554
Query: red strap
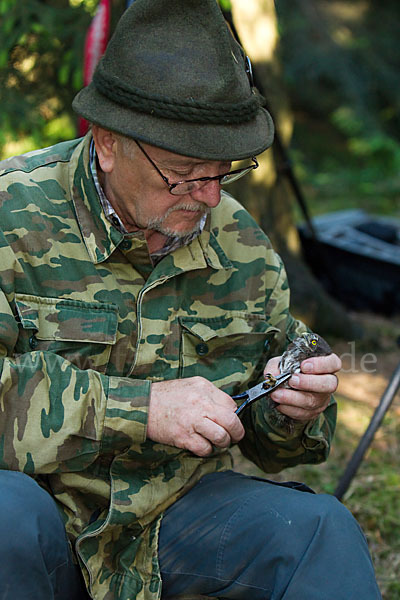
95	45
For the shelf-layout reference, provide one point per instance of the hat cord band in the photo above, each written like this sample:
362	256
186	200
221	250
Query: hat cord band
163	106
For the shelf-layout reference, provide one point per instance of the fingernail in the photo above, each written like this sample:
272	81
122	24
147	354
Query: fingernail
294	380
307	367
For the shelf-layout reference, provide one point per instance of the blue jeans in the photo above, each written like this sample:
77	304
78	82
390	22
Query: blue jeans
243	538
35	558
231	536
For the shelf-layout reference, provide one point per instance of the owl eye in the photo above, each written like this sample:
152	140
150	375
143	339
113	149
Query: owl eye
313	342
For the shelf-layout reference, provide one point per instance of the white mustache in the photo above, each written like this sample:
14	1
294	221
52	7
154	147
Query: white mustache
157	223
201	208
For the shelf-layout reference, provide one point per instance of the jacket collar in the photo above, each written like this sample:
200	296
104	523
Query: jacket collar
98	234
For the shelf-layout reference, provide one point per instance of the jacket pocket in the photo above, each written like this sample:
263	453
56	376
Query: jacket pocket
230	351
81	332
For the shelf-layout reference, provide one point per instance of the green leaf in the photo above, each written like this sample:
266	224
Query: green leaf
63	74
225	5
8	25
3	57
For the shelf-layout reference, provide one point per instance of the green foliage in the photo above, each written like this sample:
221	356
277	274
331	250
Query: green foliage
341	66
41	64
225	4
40	67
376	147
343	53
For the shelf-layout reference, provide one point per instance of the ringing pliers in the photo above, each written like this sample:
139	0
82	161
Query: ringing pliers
260	390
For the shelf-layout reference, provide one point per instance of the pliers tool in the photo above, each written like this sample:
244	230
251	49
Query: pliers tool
260	390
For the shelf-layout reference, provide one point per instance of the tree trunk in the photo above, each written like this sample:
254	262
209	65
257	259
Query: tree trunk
267	194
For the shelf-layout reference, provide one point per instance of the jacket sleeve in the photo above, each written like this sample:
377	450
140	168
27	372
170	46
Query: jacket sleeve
269	446
56	417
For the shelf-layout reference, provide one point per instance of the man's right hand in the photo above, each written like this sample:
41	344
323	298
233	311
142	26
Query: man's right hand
192	414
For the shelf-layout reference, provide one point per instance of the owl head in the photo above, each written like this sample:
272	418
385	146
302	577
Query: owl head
312	344
305	346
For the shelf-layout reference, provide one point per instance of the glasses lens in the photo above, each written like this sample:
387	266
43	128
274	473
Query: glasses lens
230	177
185	187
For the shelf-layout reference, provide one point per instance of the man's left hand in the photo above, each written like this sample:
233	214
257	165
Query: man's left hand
310	390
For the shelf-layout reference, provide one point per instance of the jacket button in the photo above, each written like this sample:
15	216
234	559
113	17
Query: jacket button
125	245
202	349
33	342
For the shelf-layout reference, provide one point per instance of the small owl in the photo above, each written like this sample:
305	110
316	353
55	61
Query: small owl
304	346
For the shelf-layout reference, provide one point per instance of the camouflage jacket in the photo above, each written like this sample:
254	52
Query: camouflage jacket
87	324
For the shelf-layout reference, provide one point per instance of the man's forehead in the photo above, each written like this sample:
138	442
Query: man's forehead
171	159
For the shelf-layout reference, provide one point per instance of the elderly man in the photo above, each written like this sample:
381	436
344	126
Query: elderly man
136	299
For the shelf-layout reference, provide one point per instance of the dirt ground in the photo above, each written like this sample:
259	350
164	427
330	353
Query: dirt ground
369	363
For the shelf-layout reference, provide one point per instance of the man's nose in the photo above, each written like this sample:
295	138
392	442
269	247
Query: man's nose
209	194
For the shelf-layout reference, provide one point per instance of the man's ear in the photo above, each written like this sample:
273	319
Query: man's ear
106	147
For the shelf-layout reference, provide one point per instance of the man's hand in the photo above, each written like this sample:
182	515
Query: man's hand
192	414
312	388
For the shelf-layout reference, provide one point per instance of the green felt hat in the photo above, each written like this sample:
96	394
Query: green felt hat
174	77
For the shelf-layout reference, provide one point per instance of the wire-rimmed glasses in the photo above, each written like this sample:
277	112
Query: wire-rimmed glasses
189	185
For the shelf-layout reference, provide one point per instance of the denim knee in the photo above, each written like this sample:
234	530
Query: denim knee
334	515
35	557
29	521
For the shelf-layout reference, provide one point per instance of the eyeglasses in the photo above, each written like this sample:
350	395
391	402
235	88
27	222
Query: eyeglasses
189	185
